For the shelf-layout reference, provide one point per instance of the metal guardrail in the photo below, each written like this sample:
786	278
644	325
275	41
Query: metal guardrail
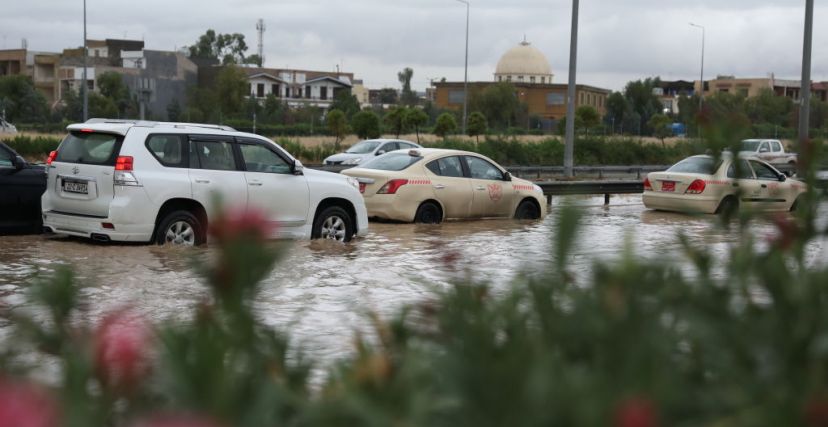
607	188
539	171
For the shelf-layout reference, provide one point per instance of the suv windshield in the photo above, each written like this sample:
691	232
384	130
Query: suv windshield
363	147
392	162
703	165
750	145
89	148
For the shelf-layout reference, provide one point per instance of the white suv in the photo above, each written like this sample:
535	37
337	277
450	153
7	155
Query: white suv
160	182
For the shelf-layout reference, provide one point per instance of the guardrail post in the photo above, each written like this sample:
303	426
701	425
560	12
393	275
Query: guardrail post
606	199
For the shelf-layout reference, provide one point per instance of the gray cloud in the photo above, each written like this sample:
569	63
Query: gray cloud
619	40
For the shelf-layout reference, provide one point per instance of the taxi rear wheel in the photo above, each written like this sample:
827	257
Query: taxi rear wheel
527	210
728	207
428	213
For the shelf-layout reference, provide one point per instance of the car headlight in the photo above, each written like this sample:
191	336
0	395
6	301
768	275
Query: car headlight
354	183
352	161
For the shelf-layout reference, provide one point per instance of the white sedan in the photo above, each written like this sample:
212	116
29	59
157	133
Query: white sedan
705	184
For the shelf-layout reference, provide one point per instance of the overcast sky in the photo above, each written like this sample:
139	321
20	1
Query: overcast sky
619	40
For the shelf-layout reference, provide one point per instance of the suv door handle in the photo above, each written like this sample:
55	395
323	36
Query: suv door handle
202	181
255	183
439	186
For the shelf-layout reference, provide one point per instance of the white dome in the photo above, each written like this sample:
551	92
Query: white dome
523	60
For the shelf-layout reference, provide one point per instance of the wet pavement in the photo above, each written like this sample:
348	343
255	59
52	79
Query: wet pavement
321	290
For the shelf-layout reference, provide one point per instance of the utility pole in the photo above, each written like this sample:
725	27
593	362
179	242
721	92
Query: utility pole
466	72
805	93
569	147
701	74
84	87
260	27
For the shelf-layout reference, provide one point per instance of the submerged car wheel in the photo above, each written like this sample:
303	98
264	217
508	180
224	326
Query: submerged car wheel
180	228
728	207
334	223
527	210
428	213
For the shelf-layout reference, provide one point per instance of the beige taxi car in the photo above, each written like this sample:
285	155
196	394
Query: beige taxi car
705	184
430	185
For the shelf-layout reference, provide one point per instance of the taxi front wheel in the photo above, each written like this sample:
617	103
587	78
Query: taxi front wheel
527	210
428	213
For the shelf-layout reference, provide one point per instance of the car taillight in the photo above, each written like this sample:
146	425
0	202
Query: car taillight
362	187
647	186
51	157
392	186
123	163
696	187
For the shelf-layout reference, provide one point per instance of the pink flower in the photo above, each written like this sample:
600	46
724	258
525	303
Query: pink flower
816	412
236	223
26	405
635	412
123	343
177	421
787	231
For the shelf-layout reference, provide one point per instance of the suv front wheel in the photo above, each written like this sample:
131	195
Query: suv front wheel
180	228
334	223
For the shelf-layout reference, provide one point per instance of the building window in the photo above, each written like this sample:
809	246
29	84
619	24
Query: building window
543	80
555	98
520	78
260	90
456	96
287	92
500	78
308	92
532	79
274	89
508	78
323	92
742	91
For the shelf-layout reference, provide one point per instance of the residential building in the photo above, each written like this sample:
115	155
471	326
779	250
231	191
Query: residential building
297	87
361	93
41	67
668	92
750	87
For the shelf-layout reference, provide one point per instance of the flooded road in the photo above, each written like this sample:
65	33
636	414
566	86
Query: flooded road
321	290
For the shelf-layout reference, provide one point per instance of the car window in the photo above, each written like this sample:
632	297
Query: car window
702	165
90	148
392	162
741	171
764	147
777	147
763	171
447	166
363	147
215	155
168	149
750	145
389	146
406	146
5	158
259	159
481	169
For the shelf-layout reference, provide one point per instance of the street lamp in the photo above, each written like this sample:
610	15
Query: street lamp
466	73
701	77
85	54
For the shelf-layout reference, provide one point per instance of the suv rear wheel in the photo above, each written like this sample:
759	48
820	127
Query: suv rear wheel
180	228
334	223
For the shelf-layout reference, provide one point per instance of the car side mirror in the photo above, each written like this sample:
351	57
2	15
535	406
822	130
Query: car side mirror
782	177
380	152
19	163
297	168
507	176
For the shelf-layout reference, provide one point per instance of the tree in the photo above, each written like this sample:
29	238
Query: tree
417	117
446	124
766	107
254	59
498	103
395	120
366	124
229	48
231	90
660	124
345	102
337	125
173	111
640	96
111	85
477	125
21	101
388	95
616	108
586	117
408	96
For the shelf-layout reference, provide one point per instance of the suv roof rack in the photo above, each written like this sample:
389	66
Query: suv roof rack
146	123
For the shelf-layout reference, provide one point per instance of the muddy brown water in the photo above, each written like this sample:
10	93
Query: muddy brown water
321	291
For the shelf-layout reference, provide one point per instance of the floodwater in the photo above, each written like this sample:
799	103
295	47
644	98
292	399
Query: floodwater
321	291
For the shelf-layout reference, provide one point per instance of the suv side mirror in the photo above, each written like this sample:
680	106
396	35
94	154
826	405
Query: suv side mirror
507	176
297	168
19	163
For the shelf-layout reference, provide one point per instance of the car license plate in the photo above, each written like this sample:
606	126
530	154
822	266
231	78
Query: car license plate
668	186
362	187
76	187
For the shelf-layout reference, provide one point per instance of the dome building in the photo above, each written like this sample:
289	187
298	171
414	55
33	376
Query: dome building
523	64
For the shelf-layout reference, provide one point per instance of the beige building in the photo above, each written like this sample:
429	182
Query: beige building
41	67
750	87
528	70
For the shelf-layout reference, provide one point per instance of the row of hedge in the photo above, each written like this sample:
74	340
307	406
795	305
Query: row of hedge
507	151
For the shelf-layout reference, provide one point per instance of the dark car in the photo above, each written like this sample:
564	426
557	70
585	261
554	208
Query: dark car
21	185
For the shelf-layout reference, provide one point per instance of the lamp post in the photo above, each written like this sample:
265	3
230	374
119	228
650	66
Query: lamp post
84	88
805	94
701	75
466	72
569	142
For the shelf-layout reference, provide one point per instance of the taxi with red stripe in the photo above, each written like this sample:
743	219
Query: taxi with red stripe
431	185
706	184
